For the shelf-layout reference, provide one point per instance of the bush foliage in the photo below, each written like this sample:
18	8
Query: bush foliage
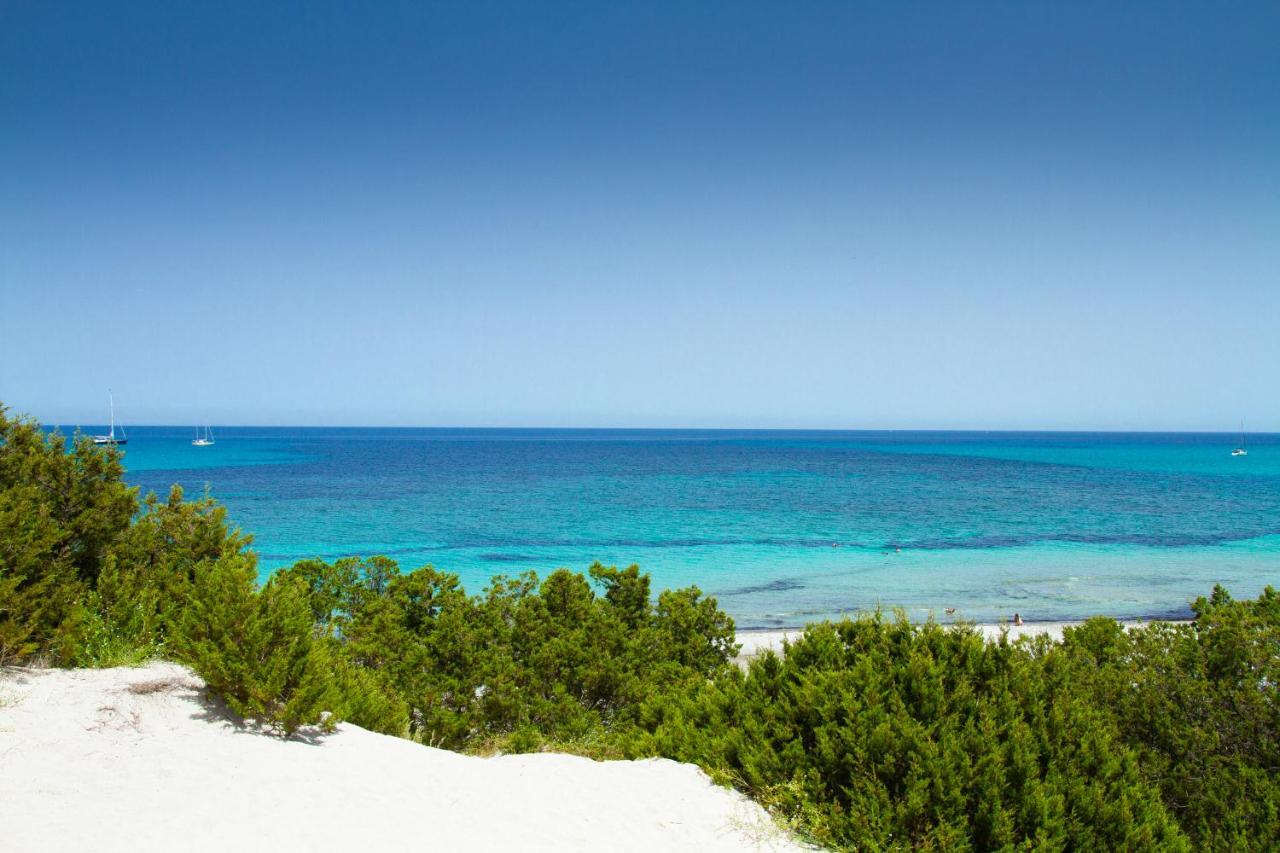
867	734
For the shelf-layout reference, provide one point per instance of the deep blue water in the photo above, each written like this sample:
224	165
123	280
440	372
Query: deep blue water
783	527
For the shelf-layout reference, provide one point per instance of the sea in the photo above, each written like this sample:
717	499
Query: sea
782	527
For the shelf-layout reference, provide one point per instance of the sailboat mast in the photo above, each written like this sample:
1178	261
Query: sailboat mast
111	404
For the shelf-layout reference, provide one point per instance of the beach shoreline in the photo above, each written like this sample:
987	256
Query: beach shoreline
755	641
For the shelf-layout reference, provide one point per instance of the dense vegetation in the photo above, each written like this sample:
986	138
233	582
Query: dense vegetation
870	734
878	734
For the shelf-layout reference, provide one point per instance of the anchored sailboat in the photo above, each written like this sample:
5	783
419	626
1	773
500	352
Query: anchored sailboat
205	440
1241	450
111	437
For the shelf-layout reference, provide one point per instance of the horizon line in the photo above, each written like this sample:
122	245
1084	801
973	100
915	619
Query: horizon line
1057	430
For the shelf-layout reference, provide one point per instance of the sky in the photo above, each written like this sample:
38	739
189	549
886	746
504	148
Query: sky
816	215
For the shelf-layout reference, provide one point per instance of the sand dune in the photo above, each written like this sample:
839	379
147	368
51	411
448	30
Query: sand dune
140	760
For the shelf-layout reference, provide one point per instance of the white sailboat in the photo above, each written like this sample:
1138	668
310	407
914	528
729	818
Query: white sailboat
205	440
111	437
1241	450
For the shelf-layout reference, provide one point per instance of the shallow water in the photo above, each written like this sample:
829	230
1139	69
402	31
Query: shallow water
783	527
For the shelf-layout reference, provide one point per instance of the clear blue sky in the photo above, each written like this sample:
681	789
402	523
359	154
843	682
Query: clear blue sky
1020	215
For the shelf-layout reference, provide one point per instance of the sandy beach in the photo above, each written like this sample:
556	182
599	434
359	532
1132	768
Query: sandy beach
754	642
140	760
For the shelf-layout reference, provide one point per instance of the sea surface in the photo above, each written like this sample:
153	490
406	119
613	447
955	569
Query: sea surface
782	527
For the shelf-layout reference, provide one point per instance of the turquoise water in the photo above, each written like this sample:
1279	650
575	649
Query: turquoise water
783	527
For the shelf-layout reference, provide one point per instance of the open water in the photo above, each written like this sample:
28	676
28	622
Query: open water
782	527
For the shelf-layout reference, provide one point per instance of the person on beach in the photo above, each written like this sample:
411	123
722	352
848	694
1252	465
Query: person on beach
1017	620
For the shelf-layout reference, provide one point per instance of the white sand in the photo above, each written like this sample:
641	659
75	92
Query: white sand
138	760
754	642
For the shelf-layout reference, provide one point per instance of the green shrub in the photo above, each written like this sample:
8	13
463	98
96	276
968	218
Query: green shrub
59	512
366	697
150	568
102	642
39	586
884	735
1199	705
256	649
524	665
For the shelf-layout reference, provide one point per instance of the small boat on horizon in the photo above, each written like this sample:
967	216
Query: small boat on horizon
205	440
111	437
1241	450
